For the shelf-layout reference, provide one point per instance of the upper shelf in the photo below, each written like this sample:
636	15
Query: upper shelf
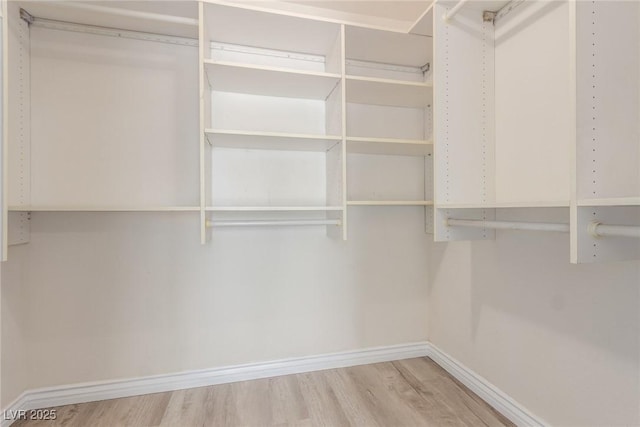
243	26
398	93
269	81
614	201
273	208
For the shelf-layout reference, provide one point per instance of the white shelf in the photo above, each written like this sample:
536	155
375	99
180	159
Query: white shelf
389	146
397	93
390	203
271	140
614	201
104	209
263	80
273	208
542	204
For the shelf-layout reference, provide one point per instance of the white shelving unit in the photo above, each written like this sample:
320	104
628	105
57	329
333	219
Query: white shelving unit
271	116
269	97
503	129
389	100
78	149
513	134
301	118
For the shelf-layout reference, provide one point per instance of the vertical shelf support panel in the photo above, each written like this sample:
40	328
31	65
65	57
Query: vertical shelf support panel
573	208
606	45
337	156
17	128
205	108
464	138
428	187
3	128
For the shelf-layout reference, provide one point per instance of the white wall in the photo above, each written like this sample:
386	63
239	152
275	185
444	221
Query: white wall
111	296
561	339
13	334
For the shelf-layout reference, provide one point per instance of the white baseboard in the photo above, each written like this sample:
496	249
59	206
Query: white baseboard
500	401
17	405
91	392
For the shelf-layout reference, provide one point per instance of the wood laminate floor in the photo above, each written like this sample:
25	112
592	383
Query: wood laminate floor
412	392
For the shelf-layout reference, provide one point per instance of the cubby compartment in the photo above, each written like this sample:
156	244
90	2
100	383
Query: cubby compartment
389	180
251	38
272	118
388	118
388	92
246	179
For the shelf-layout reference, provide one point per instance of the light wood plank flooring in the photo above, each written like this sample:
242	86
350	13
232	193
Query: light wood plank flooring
412	392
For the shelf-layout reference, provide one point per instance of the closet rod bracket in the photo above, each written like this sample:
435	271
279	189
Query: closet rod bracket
489	16
26	16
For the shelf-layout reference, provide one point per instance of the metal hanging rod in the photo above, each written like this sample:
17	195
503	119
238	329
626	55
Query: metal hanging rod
507	9
193	42
257	223
107	31
454	10
597	229
509	225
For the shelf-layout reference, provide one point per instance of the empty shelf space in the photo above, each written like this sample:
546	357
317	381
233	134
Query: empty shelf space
247	26
390	203
273	208
424	24
63	208
612	201
271	140
379	91
505	205
388	47
389	146
269	81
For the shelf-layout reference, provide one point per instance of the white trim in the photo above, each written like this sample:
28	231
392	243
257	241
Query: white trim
13	408
495	397
95	391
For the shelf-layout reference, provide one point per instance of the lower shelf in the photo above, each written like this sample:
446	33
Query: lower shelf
104	209
272	208
504	205
390	203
